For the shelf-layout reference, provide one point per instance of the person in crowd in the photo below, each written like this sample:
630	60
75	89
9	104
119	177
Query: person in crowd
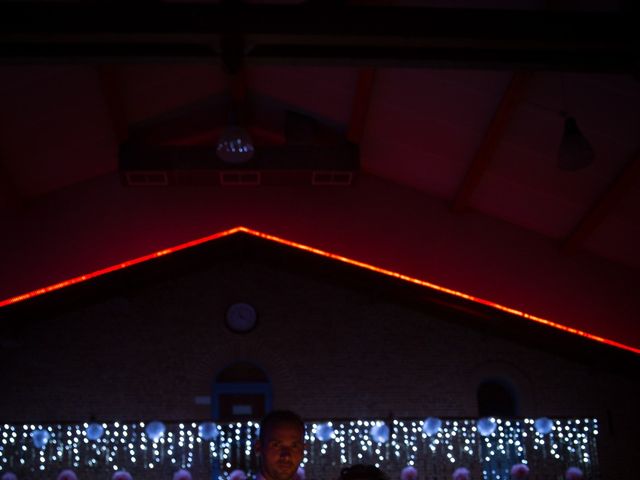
237	475
362	472
67	475
182	474
122	475
461	473
280	446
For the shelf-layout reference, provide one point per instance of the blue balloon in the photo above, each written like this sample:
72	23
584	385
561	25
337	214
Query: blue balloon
40	438
324	432
486	426
543	425
155	430
431	426
208	430
94	431
379	433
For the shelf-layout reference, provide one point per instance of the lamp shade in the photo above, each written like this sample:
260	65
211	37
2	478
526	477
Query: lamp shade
575	151
235	145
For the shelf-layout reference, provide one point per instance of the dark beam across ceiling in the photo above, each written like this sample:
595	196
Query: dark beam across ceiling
319	34
491	140
361	102
605	204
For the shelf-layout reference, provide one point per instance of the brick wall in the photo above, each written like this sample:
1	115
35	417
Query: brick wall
329	351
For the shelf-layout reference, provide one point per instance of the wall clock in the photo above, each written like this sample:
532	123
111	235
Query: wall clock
241	317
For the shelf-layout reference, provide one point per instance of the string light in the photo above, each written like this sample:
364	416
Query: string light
457	443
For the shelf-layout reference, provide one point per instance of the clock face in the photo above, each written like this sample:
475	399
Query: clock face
241	317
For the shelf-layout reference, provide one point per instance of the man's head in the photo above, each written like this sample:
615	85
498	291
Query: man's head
281	445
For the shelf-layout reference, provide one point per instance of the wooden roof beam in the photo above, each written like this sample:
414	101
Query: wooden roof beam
483	155
628	176
361	103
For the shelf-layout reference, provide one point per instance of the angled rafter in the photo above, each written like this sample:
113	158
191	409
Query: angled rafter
482	158
629	176
361	102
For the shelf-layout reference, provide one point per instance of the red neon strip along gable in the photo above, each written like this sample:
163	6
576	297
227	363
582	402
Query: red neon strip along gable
231	231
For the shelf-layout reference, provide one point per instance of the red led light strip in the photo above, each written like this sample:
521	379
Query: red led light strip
323	253
119	266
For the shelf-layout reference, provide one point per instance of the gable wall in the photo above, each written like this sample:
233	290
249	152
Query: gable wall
373	221
328	350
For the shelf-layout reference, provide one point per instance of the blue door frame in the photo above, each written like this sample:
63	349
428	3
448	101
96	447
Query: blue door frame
221	388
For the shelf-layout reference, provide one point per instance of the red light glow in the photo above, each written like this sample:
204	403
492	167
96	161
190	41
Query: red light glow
389	273
119	266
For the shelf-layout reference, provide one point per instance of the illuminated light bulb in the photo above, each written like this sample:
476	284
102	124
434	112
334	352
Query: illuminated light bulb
235	145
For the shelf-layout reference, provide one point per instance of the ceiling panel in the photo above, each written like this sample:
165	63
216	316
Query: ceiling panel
532	208
324	92
150	90
55	129
429	123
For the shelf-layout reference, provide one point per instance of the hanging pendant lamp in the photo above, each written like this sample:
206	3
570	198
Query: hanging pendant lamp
575	151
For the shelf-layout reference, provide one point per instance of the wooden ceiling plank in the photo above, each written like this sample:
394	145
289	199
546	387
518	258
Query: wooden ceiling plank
241	108
604	205
112	93
483	155
10	195
361	103
238	86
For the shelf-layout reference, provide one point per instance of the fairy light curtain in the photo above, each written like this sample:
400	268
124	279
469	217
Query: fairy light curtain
488	447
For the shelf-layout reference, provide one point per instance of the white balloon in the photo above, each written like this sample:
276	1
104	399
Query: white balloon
379	433
431	426
324	432
486	426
